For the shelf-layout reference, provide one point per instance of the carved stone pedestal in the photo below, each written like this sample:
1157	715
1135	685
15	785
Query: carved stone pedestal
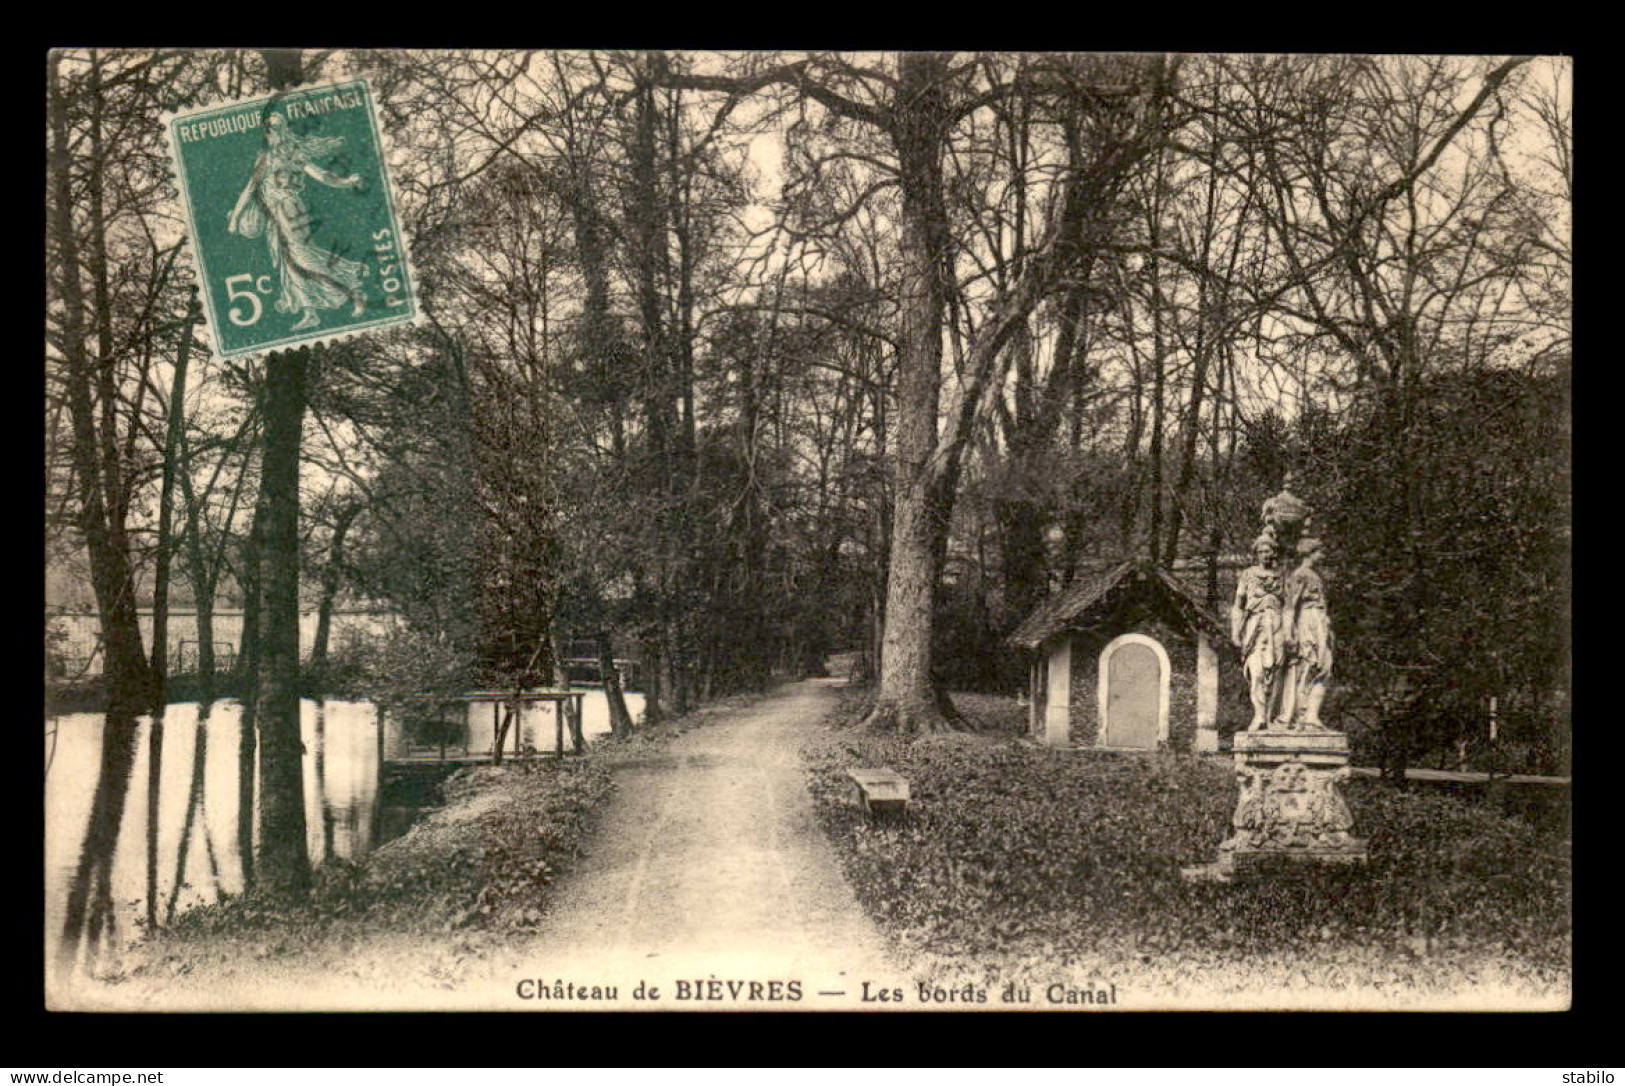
1290	810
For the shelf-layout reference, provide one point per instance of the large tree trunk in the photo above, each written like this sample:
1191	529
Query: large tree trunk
905	699
283	862
928	467
667	447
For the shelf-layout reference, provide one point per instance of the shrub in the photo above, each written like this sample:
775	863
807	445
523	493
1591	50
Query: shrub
490	869
402	672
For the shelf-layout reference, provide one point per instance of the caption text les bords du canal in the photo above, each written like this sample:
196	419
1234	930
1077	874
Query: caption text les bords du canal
715	990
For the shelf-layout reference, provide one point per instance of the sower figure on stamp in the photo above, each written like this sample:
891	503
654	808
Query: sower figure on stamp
1307	633
1255	627
273	203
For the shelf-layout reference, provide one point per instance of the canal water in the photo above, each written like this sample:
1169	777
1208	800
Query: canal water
175	841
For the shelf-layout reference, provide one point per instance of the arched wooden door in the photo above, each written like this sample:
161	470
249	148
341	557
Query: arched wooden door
1133	693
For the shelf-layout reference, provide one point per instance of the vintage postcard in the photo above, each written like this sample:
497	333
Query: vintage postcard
770	531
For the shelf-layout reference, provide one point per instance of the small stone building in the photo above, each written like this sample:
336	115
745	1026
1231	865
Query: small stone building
1129	659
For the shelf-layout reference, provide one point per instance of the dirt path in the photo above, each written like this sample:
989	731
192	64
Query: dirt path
710	863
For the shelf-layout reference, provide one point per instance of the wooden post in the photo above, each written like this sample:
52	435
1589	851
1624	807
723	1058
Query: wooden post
558	729
500	736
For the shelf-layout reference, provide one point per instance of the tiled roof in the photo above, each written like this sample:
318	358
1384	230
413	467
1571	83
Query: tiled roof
1100	589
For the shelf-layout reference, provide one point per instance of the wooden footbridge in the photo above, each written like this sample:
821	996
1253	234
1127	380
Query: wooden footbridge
507	720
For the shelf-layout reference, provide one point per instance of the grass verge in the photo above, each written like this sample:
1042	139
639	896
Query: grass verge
1018	863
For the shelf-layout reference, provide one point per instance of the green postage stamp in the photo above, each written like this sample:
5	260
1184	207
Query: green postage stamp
293	220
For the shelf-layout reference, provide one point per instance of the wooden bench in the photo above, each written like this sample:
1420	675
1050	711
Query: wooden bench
880	790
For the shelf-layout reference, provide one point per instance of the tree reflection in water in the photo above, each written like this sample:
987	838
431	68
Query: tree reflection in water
140	829
155	768
121	862
89	920
194	805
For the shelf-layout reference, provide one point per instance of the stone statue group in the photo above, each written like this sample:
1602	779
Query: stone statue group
1279	619
1288	764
